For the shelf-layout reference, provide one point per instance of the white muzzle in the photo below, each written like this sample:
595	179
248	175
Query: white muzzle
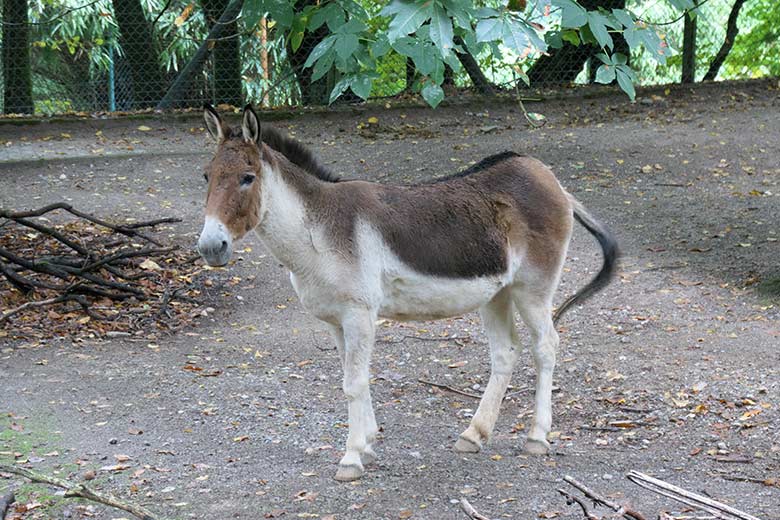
215	244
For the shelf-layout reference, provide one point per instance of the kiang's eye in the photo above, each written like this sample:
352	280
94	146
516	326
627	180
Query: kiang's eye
205	177
247	179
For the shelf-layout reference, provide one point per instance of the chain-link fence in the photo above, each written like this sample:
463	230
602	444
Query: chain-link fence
120	55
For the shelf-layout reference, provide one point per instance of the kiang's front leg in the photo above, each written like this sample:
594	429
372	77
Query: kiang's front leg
355	338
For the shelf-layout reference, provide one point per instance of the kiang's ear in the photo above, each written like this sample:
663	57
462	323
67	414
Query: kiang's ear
213	123
250	125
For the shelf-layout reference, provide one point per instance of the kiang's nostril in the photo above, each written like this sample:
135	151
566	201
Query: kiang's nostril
224	246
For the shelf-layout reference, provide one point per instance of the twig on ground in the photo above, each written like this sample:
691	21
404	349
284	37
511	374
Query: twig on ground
80	490
686	497
742	478
449	388
470	511
517	392
51	301
571	499
5	503
624	511
421	338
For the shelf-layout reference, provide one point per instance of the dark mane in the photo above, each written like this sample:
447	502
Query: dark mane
484	164
296	153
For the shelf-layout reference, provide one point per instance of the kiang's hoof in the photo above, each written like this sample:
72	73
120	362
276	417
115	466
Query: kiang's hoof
368	457
349	473
464	445
537	447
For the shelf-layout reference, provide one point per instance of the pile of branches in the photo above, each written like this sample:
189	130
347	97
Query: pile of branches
91	275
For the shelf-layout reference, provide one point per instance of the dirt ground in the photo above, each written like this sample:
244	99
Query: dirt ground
672	371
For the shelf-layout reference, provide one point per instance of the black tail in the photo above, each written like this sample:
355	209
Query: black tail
609	249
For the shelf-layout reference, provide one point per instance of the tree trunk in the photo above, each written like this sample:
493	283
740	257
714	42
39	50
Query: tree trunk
185	78
689	49
138	45
470	65
562	66
226	57
264	59
731	33
17	76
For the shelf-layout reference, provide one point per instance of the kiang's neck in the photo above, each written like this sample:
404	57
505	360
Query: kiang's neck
289	200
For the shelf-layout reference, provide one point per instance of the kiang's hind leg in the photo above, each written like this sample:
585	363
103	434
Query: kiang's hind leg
498	321
534	303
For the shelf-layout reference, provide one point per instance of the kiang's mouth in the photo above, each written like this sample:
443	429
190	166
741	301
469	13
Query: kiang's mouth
215	245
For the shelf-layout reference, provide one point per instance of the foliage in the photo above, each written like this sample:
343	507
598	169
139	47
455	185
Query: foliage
756	49
366	44
426	31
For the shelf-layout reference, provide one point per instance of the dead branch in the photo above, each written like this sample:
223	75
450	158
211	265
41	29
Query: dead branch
470	511
449	388
129	230
687	497
42	303
5	503
571	499
624	511
60	264
80	490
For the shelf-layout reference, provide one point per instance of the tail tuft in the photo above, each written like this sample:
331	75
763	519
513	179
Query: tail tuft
609	248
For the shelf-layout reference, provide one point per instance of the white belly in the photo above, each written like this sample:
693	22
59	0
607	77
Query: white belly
413	296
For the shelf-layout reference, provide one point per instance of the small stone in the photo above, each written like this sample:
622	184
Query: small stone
113	441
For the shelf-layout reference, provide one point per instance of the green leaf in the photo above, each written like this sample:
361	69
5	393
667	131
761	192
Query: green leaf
252	11
489	29
361	85
607	60
598	26
320	50
461	11
571	36
297	30
523	76
346	45
380	46
281	11
409	16
330	13
323	65
486	12
354	9
441	31
573	14
410	47
432	94
536	116
555	40
633	37
514	37
605	74
626	83
353	26
623	17
682	5
342	85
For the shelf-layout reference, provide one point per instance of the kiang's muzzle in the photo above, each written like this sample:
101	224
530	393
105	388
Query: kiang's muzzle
215	243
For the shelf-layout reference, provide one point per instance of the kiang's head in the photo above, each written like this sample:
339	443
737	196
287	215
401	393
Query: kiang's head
234	177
